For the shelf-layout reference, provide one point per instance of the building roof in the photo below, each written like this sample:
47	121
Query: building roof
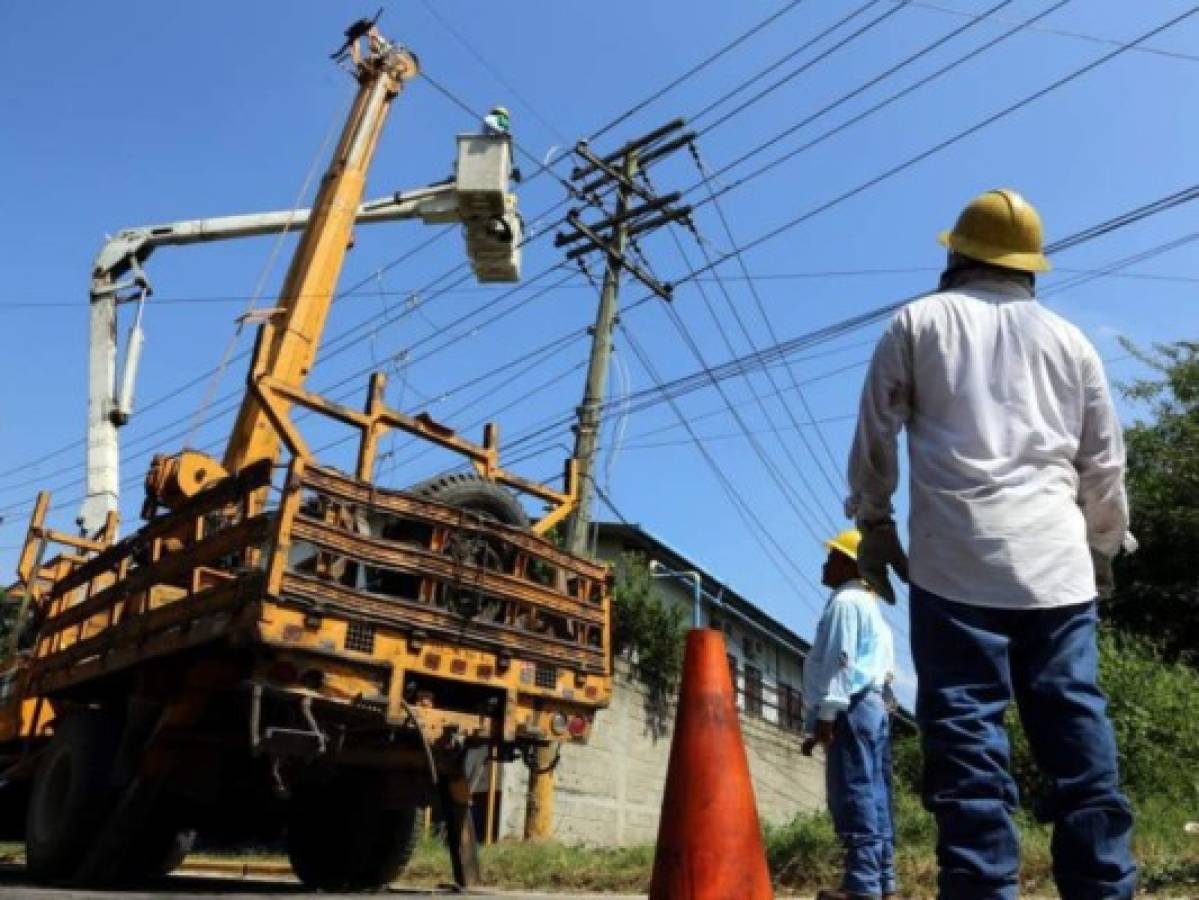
636	537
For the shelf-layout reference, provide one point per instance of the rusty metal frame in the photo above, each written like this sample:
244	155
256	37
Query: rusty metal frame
276	397
101	587
577	593
99	617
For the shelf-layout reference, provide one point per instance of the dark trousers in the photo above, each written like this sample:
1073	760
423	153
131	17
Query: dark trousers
970	662
858	782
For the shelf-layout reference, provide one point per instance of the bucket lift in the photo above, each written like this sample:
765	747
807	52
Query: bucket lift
476	196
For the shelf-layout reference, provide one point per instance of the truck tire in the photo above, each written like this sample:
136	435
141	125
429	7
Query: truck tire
156	854
72	792
341	838
468	491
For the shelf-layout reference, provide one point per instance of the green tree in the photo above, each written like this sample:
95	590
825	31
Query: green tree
648	632
1157	593
1154	709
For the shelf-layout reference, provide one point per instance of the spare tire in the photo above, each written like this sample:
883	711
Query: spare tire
466	490
468	547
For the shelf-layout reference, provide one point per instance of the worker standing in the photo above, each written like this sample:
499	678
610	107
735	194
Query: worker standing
845	676
1017	506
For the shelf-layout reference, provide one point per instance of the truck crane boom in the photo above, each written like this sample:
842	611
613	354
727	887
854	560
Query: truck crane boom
477	198
307	291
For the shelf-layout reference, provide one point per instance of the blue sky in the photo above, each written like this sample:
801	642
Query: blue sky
136	113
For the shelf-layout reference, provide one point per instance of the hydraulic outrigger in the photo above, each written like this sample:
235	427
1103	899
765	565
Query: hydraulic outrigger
283	647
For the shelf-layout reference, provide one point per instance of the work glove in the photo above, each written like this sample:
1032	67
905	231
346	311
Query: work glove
1105	581
823	737
880	548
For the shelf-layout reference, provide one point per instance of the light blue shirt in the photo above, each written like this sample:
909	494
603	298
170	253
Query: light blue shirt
853	651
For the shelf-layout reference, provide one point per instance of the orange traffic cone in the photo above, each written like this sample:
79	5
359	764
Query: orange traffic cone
709	841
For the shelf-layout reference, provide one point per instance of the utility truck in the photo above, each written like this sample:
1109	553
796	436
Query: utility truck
284	650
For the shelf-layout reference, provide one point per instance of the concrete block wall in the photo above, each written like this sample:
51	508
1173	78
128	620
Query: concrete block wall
609	792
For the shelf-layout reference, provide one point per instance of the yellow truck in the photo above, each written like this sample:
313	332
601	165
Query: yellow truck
288	650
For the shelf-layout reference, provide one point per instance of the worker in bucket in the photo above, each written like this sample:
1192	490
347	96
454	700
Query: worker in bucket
845	676
497	121
1017	506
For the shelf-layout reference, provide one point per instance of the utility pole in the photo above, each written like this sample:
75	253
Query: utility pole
637	211
587	427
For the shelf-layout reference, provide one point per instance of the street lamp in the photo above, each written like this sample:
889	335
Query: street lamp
657	570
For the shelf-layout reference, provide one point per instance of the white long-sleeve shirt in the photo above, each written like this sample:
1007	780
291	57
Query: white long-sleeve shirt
853	651
1016	454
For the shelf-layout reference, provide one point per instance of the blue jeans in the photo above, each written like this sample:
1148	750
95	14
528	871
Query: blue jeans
970	662
858	781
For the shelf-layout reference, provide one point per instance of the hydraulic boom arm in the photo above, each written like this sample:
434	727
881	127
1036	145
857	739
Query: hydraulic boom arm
477	197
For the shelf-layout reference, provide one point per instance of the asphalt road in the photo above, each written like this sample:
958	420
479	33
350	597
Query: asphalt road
13	886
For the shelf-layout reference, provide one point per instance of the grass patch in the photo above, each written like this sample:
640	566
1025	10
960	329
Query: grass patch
543	866
804	855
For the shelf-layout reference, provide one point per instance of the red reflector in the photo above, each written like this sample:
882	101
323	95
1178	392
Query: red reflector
578	726
458	666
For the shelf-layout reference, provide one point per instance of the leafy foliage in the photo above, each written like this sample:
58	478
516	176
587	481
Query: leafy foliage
646	630
1154	709
1158	586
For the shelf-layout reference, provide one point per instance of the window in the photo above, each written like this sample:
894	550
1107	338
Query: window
753	691
790	707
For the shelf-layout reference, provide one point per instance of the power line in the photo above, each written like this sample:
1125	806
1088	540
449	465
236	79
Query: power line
199	379
1165	203
734	435
799	470
875	108
772	355
742	508
1178	198
695	69
795	73
889	173
761	307
784	487
386	267
491	69
346	338
234	397
946	143
1057	32
808	275
1078	280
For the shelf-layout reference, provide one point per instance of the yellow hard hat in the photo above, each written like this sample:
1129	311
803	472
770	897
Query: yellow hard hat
1001	228
846	542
